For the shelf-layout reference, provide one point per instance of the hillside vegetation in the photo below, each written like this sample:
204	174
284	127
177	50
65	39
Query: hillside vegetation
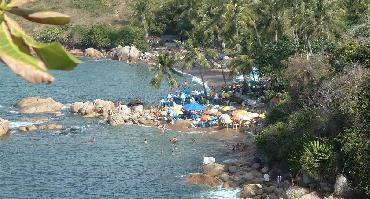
86	12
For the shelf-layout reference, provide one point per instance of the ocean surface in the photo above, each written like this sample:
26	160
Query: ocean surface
118	165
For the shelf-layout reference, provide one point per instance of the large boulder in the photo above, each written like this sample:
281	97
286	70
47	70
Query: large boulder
251	190
296	192
123	109
122	53
115	119
312	195
135	54
39	105
213	169
341	187
203	179
76	107
102	106
91	52
88	108
4	127
138	109
28	128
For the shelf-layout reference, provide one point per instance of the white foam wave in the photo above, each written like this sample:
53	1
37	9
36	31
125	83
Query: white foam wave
222	193
14	125
195	79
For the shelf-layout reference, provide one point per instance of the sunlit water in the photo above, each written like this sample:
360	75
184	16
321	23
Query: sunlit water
119	165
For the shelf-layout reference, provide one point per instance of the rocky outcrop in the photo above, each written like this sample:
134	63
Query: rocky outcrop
341	186
39	105
4	127
213	169
251	190
93	109
51	127
29	128
203	180
127	53
91	52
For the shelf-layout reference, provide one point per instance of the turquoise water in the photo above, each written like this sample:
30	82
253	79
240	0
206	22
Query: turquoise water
119	165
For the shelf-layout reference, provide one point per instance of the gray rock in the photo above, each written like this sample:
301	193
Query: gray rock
138	109
296	192
270	189
135	54
341	187
312	195
225	177
256	165
76	107
233	169
265	169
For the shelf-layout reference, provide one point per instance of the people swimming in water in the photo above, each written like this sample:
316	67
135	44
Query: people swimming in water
145	141
93	140
174	140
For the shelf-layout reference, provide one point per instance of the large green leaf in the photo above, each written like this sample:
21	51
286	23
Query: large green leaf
43	17
20	63
53	55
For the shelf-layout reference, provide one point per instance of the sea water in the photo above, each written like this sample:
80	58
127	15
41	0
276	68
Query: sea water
119	165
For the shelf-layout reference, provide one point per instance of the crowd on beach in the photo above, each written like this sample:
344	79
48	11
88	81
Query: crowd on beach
224	107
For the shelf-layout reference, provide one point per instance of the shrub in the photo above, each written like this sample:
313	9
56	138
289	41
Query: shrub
272	140
355	159
98	37
129	35
318	159
53	34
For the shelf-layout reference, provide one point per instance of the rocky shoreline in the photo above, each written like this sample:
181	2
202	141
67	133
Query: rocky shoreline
128	54
248	173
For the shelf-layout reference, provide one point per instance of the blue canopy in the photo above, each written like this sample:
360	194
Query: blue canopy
194	107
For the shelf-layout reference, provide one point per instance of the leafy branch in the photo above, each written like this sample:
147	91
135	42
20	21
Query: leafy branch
24	55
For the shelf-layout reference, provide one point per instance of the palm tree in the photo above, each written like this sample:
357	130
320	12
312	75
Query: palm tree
164	68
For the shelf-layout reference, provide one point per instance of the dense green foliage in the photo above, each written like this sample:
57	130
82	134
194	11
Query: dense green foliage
98	36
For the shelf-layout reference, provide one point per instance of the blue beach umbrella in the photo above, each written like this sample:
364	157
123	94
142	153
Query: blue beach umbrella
194	107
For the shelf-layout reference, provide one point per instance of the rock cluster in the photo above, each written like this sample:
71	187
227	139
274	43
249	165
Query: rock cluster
4	127
248	176
93	109
39	105
136	115
114	115
48	127
126	53
92	52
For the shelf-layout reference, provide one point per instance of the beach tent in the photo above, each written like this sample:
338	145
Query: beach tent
194	107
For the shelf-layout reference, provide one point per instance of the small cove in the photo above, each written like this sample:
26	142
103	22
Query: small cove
119	165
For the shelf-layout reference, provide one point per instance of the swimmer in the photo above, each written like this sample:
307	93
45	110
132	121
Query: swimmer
193	140
93	140
145	141
174	140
